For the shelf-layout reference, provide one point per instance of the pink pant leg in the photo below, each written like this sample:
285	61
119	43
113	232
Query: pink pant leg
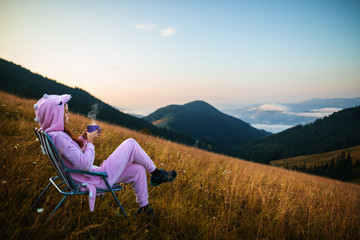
128	152
119	167
136	175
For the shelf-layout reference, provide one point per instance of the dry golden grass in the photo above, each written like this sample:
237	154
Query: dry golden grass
214	196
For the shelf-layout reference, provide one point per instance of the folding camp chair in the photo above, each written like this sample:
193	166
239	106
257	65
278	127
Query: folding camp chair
64	178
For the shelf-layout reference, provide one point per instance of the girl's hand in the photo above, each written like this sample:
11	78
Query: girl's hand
84	134
91	137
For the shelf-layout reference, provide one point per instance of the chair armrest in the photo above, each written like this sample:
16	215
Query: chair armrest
92	173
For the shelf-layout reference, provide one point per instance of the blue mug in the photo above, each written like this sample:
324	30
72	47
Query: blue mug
93	127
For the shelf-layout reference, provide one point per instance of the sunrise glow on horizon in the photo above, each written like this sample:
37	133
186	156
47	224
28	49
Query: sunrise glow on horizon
148	54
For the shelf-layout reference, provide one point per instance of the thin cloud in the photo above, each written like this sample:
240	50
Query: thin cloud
327	110
168	31
318	113
272	108
277	108
147	27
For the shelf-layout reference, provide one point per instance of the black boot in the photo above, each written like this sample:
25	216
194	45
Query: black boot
163	177
144	210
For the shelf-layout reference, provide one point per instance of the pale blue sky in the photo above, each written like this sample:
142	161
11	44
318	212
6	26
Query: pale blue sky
148	54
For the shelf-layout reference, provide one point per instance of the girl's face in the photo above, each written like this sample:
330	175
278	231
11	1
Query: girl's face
66	114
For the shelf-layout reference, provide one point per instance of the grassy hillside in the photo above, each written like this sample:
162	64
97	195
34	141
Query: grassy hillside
214	196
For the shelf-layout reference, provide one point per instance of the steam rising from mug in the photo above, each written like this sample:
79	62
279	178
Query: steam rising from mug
93	113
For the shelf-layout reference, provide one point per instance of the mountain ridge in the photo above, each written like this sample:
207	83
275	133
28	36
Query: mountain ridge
203	121
20	81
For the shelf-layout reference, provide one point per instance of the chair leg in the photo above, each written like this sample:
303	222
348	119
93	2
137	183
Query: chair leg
47	187
117	201
57	207
108	205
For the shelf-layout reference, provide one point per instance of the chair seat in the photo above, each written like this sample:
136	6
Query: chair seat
79	188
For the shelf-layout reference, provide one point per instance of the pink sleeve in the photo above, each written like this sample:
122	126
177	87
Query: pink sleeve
71	151
84	141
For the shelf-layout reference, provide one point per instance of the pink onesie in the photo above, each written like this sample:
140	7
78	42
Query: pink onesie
128	163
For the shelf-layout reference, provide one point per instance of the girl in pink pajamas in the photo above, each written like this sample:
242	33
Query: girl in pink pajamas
128	163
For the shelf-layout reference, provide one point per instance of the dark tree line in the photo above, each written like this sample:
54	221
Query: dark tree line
340	168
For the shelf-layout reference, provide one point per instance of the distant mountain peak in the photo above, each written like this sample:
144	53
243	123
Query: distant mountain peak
197	102
201	106
203	121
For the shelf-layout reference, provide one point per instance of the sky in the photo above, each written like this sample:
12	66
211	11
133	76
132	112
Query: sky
143	55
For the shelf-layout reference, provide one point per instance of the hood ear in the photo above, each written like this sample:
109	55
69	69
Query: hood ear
59	102
63	99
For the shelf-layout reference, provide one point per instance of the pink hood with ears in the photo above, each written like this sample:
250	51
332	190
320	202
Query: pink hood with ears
49	111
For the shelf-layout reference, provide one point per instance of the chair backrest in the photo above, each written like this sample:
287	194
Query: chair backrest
54	157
